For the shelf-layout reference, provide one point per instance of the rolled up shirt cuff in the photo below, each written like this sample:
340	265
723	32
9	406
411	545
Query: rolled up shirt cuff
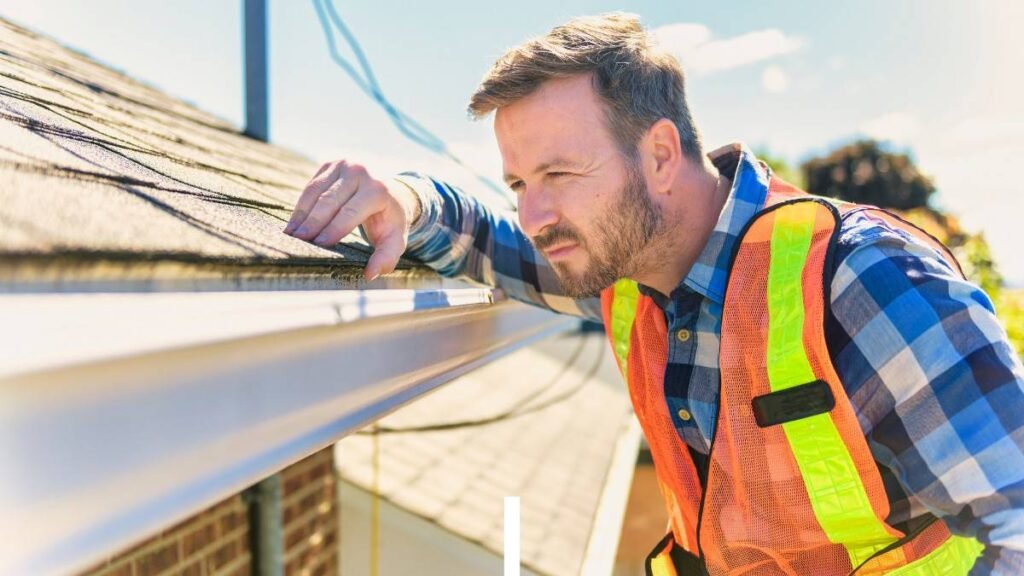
431	204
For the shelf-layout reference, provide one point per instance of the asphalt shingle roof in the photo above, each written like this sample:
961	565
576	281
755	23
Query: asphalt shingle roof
98	168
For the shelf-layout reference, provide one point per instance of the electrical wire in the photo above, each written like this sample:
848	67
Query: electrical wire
366	80
518	410
330	21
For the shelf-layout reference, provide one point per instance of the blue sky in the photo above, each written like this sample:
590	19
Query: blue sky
940	78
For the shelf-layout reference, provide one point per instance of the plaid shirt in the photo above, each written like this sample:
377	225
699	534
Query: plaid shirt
937	388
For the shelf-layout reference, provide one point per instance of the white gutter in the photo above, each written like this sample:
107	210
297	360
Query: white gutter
121	414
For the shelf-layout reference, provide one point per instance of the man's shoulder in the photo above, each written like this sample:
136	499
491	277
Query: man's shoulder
869	239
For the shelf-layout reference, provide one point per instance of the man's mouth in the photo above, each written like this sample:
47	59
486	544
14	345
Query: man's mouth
560	251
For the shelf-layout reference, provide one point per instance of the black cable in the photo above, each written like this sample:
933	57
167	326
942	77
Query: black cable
569	363
365	79
517	410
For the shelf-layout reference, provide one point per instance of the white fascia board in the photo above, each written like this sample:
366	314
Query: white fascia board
123	414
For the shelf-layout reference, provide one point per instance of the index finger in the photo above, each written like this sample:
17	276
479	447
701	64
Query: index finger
319	184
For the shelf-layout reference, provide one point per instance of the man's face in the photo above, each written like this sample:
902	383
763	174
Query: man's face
584	206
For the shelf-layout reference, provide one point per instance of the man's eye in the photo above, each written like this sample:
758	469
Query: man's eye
516	185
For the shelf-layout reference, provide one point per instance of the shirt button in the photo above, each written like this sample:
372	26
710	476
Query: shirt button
684	414
683	335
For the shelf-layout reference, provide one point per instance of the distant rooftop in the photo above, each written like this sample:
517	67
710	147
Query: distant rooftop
556	459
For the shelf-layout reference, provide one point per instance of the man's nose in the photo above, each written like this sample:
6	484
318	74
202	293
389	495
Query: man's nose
536	211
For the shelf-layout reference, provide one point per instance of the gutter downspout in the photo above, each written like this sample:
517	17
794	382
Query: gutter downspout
254	36
266	540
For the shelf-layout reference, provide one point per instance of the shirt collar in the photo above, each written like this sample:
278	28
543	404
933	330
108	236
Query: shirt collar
710	272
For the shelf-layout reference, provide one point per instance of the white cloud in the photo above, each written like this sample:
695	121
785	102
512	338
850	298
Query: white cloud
700	53
774	80
969	160
984	133
894	127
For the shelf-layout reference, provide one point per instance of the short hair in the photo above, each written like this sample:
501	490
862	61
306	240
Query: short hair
639	83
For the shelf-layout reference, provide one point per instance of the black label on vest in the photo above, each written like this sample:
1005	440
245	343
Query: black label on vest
793	403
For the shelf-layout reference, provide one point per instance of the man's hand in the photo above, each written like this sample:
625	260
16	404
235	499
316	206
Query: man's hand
342	196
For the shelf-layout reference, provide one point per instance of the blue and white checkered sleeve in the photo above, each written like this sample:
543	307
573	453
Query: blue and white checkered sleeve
938	389
458	236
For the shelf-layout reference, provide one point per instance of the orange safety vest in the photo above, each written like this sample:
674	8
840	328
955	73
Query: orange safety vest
792	487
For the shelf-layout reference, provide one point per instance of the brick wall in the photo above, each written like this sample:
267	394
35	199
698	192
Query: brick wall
310	520
215	542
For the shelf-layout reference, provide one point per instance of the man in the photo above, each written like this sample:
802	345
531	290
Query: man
822	391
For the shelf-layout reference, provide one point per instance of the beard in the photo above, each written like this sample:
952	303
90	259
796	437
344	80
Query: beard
620	238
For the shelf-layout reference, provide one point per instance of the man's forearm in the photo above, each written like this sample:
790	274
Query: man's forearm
456	235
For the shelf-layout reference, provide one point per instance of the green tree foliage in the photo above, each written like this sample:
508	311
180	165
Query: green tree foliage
865	173
978	265
1011	312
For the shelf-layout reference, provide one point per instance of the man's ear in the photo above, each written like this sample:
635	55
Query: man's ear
663	155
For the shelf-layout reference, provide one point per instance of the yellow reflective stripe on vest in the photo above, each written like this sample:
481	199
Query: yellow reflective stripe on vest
624	302
788	365
836	492
954	557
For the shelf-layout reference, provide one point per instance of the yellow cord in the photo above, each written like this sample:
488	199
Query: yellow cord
375	508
